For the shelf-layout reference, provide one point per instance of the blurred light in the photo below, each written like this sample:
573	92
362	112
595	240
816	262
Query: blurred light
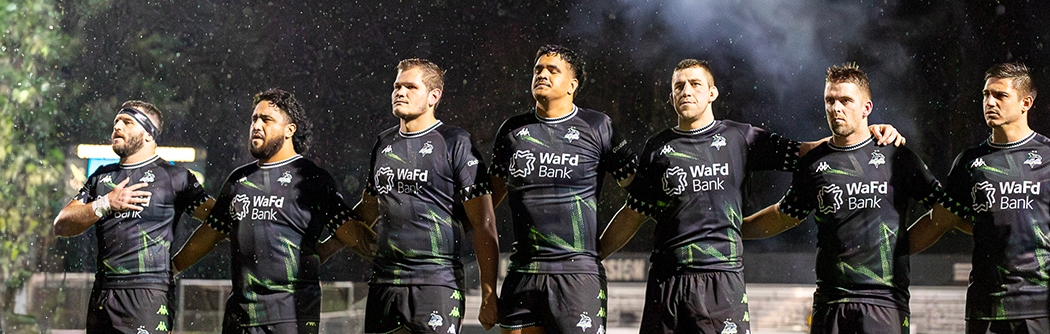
169	153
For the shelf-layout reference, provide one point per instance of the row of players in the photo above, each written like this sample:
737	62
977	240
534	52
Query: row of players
427	180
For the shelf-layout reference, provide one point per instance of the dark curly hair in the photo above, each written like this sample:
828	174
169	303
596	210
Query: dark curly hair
576	62
286	102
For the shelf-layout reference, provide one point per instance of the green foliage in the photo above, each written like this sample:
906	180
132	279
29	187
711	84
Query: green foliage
32	47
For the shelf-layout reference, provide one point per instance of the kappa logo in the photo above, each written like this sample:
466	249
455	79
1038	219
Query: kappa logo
106	179
601	330
829	199
1033	159
674	181
730	327
435	320
522	164
451	329
667	149
428	148
524	132
573	134
239	206
983	195
585	322
823	166
149	177
877	158
285	178
384	180
979	162
386	150
718	141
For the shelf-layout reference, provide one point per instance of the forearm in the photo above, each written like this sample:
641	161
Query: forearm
486	248
358	237
621	229
499	191
767	223
74	219
930	227
201	243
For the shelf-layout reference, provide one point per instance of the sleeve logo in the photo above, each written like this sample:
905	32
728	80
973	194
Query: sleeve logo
239	206
877	158
384	180
674	181
829	199
983	195
522	163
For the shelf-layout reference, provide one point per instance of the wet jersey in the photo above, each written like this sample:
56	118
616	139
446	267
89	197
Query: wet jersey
859	196
999	187
552	168
421	180
134	247
274	214
689	182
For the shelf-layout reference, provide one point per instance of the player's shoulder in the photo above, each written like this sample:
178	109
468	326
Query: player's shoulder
518	120
734	125
1041	140
105	169
661	138
389	132
449	131
592	117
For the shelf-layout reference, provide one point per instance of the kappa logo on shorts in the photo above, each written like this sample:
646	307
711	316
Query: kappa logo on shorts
601	330
573	134
435	321
1034	159
239	206
285	178
149	177
983	195
730	327
877	158
451	329
428	148
585	322
718	142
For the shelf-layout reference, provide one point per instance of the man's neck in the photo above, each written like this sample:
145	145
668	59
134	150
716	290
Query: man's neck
705	119
417	124
287	151
853	139
1008	133
554	108
142	155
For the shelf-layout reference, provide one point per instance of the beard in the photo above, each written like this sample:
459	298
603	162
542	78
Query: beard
132	145
269	148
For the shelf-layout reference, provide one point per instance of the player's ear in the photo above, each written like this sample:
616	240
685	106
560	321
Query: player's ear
433	97
289	130
1027	102
572	86
714	93
868	106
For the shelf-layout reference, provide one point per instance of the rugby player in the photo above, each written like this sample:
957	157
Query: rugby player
858	193
689	180
274	210
134	206
996	194
550	163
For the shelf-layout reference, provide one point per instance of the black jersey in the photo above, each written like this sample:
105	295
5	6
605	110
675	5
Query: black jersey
552	168
859	197
135	246
421	180
689	182
999	188
274	214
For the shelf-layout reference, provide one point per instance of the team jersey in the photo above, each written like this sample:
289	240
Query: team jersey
689	182
274	215
134	247
552	168
999	188
421	180
859	196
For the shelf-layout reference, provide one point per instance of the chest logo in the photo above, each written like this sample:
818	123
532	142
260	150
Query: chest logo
524	132
108	179
384	180
585	322
285	178
877	158
829	199
823	166
667	149
386	150
674	181
983	195
428	148
239	206
1033	159
718	141
979	162
522	164
149	177
573	134
435	321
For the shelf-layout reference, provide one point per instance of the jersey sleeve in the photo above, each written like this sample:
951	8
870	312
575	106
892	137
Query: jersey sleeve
370	181
617	158
87	192
958	188
189	194
327	202
645	194
920	182
770	151
470	176
798	201
501	153
221	218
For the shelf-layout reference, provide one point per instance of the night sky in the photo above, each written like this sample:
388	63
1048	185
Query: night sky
201	62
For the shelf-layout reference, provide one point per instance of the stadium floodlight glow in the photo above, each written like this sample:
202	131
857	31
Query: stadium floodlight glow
169	153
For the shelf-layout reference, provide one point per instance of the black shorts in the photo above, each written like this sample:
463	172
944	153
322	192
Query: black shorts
416	308
1016	326
859	318
231	325
129	311
560	303
713	302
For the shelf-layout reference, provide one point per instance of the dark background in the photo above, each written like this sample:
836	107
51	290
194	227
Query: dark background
201	61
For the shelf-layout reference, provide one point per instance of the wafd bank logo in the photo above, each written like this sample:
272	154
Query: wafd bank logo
984	195
256	207
549	165
860	195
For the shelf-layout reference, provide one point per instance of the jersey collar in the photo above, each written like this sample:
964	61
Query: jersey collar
697	131
851	147
559	119
279	163
419	133
1011	144
140	164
